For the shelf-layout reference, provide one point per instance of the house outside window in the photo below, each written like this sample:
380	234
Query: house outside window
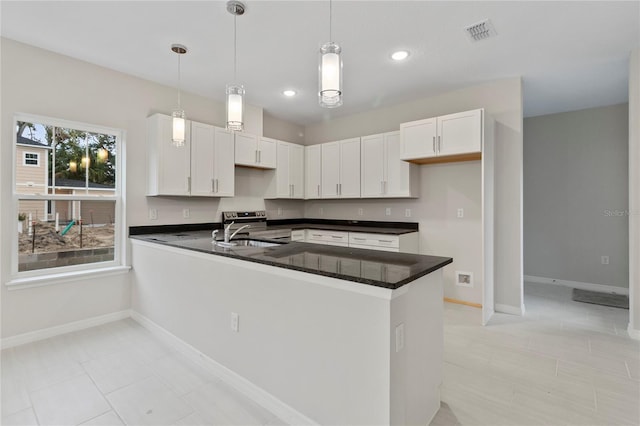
68	197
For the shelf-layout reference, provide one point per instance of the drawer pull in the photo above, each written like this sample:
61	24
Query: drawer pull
385	241
335	236
359	239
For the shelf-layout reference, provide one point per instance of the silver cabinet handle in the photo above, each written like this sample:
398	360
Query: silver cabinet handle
259	156
318	190
337	189
217	185
439	143
213	185
434	144
340	186
359	239
256	155
335	236
385	241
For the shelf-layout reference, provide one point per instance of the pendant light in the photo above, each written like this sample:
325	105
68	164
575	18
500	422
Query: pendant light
235	92
178	115
330	71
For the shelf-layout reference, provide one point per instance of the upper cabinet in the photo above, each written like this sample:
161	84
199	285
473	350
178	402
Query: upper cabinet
168	166
312	171
255	151
448	138
384	174
203	166
340	165
288	180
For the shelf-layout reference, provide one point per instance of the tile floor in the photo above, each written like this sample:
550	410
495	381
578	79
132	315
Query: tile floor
562	363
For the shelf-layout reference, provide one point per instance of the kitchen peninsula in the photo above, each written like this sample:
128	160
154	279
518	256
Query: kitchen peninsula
318	334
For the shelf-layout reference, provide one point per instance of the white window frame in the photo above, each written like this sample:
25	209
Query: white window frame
63	274
24	159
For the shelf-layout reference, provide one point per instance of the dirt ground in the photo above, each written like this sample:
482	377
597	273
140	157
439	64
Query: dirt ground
47	240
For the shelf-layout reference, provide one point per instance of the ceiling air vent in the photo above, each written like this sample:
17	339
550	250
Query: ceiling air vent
481	30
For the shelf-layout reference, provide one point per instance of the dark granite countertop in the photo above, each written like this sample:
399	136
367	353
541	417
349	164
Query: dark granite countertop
374	227
378	268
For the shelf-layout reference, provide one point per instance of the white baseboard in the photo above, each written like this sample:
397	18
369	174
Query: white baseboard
45	333
244	386
578	284
508	309
633	333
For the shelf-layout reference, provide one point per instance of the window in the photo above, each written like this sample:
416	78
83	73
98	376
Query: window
69	209
31	159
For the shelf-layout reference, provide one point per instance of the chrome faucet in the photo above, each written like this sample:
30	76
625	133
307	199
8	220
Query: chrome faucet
227	232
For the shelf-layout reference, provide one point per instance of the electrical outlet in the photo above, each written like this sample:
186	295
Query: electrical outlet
153	214
407	213
388	211
279	211
235	322
399	337
185	213
604	260
464	279
360	212
460	213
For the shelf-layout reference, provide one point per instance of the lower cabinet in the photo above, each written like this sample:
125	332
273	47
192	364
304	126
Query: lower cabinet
405	243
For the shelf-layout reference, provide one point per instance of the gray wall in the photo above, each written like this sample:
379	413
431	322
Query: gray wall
576	195
634	193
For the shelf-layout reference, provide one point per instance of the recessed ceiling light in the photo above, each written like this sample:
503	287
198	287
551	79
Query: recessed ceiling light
289	93
400	55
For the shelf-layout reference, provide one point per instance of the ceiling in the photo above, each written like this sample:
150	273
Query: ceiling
571	54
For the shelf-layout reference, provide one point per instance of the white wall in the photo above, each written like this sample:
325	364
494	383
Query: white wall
634	193
576	195
41	82
446	187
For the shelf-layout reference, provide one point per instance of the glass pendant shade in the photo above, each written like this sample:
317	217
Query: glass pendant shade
330	75
235	107
178	135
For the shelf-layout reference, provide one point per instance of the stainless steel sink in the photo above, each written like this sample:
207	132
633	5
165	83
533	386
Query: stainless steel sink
246	243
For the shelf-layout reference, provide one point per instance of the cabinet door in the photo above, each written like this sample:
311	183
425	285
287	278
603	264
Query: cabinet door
397	172
330	169
372	162
246	149
202	155
312	171
418	139
224	169
350	168
460	133
283	185
267	153
169	166
296	170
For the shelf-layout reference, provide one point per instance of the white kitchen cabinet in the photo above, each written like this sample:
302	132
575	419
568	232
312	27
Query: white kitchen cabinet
341	169
312	171
383	173
297	235
331	238
203	166
452	137
288	181
212	165
405	243
168	166
254	151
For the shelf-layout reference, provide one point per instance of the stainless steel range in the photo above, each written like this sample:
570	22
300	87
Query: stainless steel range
257	221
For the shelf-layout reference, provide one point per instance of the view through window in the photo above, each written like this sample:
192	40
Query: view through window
65	184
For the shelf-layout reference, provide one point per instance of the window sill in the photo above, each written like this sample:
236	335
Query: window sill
65	277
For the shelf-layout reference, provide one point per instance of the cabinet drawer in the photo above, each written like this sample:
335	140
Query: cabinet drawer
328	237
297	235
374	240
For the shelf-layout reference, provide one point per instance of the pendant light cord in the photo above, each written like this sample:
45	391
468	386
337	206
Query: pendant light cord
330	19
235	50
179	83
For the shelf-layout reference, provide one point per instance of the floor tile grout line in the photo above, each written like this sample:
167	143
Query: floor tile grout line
104	396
